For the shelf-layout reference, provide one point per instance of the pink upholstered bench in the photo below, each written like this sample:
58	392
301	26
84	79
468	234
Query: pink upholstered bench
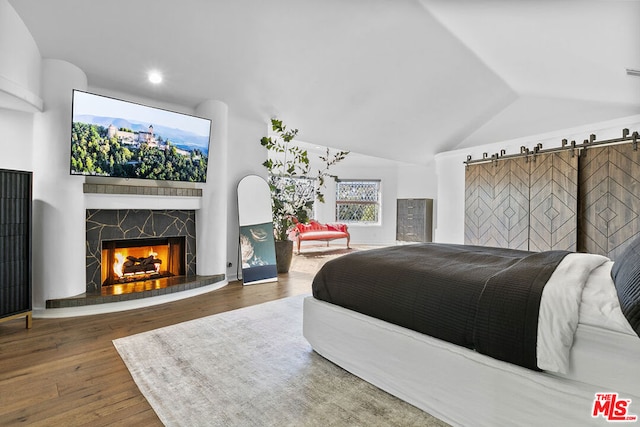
317	231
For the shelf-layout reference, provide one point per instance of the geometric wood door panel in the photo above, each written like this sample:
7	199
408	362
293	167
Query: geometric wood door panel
553	201
609	199
497	205
478	204
510	217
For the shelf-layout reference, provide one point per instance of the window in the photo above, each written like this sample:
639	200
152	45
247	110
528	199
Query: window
301	190
358	201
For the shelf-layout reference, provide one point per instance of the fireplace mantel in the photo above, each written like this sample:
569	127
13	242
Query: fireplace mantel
141	190
117	196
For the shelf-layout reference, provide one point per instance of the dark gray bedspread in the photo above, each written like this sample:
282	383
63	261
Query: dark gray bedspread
478	297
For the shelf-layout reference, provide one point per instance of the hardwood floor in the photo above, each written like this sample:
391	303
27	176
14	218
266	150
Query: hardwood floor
67	372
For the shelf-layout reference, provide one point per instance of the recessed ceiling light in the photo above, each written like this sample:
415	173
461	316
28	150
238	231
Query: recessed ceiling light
155	77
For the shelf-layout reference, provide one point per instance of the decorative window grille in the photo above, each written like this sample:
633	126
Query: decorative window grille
304	189
358	201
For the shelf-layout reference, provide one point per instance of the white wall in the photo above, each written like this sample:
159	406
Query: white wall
211	219
16	140
245	157
59	253
19	89
20	64
417	181
451	171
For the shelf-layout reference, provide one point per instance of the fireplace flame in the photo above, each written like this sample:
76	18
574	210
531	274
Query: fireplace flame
118	266
154	254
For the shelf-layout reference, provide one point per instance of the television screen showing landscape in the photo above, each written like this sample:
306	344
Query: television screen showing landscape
115	138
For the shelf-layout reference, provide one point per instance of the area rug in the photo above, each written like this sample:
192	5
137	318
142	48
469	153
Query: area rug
253	367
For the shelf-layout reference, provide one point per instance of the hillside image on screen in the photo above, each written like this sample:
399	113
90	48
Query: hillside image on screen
115	138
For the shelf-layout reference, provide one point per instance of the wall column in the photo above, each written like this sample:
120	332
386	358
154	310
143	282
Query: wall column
211	219
58	202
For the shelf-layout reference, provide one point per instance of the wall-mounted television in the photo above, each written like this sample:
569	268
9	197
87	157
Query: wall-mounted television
116	138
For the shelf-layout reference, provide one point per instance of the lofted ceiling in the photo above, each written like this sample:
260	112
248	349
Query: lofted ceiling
400	79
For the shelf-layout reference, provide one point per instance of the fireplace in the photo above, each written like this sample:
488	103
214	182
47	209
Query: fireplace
160	243
132	260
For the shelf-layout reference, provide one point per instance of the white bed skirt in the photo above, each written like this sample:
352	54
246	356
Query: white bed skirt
455	384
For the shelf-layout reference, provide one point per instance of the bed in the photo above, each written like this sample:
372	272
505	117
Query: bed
583	340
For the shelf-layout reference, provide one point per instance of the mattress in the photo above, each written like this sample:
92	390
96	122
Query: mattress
463	387
516	306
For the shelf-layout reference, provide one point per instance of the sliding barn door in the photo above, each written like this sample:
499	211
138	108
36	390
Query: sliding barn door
511	204
479	195
553	201
609	199
497	204
520	203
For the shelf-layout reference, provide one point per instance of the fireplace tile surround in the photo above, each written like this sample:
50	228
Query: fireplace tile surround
117	224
